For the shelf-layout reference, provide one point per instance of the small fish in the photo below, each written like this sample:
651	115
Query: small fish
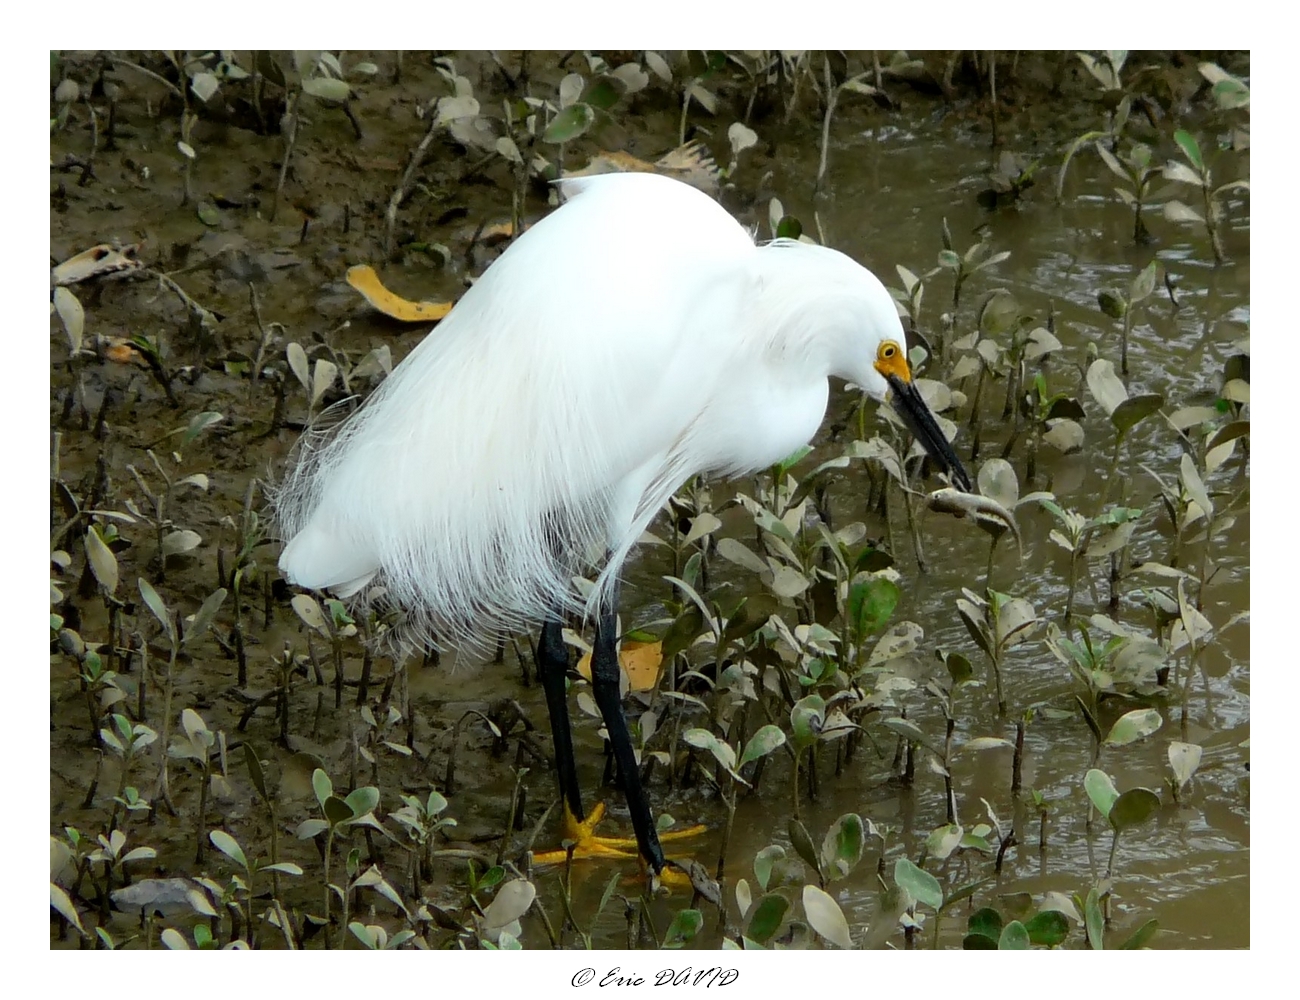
961	504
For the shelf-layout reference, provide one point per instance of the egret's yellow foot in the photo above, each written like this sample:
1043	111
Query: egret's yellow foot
587	844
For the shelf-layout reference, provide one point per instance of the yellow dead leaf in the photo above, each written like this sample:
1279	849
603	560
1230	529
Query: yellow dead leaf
496	232
690	163
363	278
119	349
641	661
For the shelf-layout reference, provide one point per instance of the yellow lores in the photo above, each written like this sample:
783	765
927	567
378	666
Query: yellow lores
892	362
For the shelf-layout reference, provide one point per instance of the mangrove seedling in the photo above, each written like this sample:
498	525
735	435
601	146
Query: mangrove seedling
1196	173
1116	306
1123	811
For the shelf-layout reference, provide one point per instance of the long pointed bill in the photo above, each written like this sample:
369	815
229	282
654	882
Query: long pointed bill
909	405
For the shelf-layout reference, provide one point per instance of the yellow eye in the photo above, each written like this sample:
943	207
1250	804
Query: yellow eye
892	362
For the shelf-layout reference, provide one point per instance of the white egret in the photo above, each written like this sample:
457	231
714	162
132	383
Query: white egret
633	338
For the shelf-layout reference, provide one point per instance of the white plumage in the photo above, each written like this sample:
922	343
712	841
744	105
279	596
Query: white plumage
633	338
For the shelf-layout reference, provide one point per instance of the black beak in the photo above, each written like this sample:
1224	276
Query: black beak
909	405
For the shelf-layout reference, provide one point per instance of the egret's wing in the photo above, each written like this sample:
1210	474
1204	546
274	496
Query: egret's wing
498	457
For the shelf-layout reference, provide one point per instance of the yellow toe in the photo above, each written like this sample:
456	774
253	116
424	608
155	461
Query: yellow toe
587	844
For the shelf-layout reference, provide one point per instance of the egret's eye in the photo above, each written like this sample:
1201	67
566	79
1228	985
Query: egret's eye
888	351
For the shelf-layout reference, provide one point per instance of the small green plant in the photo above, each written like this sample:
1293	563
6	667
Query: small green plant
1122	811
997	622
1196	173
244	885
339	817
1138	176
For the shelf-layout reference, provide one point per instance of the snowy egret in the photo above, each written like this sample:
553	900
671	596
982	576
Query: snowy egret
633	338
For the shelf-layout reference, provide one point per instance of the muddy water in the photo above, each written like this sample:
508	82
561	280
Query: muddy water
892	179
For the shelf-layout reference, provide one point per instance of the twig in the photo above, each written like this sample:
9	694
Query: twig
149	73
352	117
399	195
291	120
204	317
88	168
263	344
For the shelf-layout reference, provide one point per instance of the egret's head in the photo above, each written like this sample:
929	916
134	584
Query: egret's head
830	314
893	382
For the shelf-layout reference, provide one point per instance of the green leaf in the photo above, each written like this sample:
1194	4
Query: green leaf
1093	920
802	843
767	917
569	124
806	719
871	603
985	922
1101	790
918	883
1050	928
762	743
789	228
203	617
155	604
255	772
228	846
336	810
327	89
843	845
283	867
1181	173
1105	385
363	800
1141	936
363	934
1176	211
1184	759
1135	409
1133	726
1014	937
1109	159
199	423
1133	807
62	902
682	632
601	94
1231	93
825	917
1228	432
309	828
321	785
1193	486
1190	149
1144	283
1000	312
764	861
103	563
1112	304
905	728
686	924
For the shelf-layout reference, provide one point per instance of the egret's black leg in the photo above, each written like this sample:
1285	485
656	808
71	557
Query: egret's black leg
605	672
552	664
